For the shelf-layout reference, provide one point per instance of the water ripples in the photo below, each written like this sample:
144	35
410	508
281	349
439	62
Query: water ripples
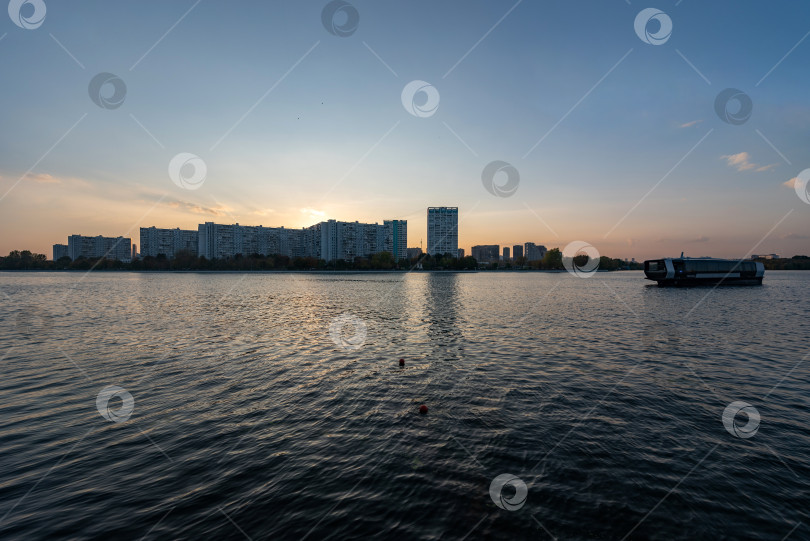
603	395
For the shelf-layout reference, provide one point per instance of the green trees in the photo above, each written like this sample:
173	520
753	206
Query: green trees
382	260
443	262
608	263
797	262
27	260
24	260
553	260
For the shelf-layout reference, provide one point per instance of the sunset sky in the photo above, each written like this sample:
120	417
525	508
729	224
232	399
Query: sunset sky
617	141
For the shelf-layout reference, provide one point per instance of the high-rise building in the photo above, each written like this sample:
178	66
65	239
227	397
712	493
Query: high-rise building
169	242
517	251
486	253
506	257
60	251
461	253
442	230
396	238
534	252
134	252
118	248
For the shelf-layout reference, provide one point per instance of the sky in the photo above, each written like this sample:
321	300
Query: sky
610	130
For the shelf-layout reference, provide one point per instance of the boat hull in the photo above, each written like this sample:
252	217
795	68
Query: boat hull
694	272
691	282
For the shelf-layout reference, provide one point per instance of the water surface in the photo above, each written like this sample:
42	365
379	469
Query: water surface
604	396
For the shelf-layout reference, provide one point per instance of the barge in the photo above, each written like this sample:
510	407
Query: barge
683	271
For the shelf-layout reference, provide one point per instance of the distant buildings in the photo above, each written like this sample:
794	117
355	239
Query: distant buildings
222	241
330	240
413	253
398	241
765	256
491	253
534	252
118	248
334	240
486	253
442	230
168	242
60	251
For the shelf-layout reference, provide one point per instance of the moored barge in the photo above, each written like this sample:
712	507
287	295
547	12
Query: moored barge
683	271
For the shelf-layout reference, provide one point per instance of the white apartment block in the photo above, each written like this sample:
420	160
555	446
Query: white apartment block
329	240
118	248
59	251
347	240
168	242
442	230
219	241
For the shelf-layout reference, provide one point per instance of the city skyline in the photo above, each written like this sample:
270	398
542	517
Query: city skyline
325	240
611	140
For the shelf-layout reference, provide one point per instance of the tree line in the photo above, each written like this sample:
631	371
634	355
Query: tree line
553	260
27	260
797	262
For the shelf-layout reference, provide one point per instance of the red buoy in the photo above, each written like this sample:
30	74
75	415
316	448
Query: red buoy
423	409
402	362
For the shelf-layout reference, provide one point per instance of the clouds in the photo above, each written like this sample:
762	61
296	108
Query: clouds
690	124
702	238
43	178
313	214
194	208
742	162
791	183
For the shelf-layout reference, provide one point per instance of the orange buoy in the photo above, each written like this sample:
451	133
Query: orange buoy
423	409
402	362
